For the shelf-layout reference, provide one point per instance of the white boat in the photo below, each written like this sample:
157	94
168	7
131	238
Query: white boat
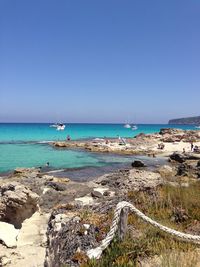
128	126
198	127
134	127
58	126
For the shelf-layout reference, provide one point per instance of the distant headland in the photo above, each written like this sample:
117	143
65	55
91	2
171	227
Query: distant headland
189	120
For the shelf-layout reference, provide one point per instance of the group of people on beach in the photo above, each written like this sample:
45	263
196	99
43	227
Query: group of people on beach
192	148
195	148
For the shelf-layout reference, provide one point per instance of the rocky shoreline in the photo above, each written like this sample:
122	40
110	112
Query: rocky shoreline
52	221
142	144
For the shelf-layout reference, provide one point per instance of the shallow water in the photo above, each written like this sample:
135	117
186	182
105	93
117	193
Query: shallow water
23	145
89	173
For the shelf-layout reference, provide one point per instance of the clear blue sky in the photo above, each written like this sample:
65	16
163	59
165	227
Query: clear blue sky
99	60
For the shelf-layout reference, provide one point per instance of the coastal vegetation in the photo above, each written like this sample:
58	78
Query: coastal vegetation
177	207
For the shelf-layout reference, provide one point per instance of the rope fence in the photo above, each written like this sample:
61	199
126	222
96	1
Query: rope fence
120	223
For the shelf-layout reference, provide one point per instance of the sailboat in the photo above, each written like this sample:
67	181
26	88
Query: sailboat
60	127
128	126
134	127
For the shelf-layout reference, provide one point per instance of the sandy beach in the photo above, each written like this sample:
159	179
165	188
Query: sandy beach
174	140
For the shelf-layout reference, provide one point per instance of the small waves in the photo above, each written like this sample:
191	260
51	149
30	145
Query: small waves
55	171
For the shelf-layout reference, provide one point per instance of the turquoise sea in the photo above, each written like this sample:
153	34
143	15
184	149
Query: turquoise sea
24	144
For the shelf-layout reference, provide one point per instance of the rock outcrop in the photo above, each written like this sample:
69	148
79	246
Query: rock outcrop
137	164
132	179
68	239
178	157
177	135
17	203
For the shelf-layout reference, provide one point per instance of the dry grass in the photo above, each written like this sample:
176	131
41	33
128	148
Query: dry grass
180	259
162	206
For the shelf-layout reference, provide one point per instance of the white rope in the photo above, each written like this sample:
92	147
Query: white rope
96	252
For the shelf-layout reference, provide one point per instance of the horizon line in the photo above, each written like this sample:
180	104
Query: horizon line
85	122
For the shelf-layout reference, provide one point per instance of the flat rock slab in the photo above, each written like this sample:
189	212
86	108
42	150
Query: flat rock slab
33	231
144	179
30	247
86	200
8	234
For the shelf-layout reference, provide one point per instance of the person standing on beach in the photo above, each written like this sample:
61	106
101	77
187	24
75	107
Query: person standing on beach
192	146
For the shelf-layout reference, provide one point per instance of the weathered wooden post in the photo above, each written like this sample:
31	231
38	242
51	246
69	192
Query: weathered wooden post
123	222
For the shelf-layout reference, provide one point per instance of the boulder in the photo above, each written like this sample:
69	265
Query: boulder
17	203
96	194
182	169
8	234
137	164
177	157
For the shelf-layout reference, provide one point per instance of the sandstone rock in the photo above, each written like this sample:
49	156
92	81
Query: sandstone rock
137	164
17	203
134	179
8	234
26	170
166	170
4	261
142	180
59	144
33	230
86	200
96	194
